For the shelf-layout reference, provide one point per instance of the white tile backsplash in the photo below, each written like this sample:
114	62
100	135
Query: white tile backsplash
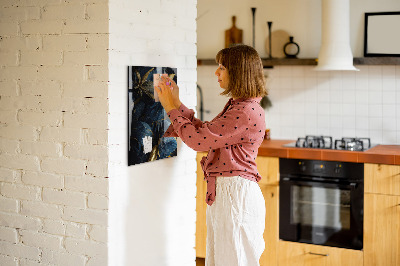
361	110
349	96
375	123
389	97
363	103
389	124
310	108
375	97
348	132
362	97
362	123
375	83
336	122
389	111
375	111
376	136
389	83
348	109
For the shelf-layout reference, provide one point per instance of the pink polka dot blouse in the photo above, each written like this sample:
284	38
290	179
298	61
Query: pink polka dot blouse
232	139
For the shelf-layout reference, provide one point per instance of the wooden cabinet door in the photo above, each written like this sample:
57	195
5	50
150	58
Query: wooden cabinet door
201	205
268	167
271	232
299	254
382	179
381	230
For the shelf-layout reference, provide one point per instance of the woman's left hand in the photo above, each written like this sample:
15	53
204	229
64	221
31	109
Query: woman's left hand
165	95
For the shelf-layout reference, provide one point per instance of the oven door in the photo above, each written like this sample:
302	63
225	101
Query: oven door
321	212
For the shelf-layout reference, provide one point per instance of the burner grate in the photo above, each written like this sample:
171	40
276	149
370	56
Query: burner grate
326	142
353	144
322	142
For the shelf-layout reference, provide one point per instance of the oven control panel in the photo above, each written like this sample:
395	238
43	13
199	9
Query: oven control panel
317	168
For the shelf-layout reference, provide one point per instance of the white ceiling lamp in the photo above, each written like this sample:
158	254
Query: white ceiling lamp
335	53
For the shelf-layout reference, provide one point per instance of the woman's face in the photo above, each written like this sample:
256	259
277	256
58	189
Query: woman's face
223	76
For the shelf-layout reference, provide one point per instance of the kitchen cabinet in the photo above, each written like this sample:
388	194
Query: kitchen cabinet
269	185
381	230
271	232
382	215
269	170
381	221
300	254
382	179
201	205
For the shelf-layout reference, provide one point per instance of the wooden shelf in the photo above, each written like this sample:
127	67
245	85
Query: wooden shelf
289	62
269	63
377	61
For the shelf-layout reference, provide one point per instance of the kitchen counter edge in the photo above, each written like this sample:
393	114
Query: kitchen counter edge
379	154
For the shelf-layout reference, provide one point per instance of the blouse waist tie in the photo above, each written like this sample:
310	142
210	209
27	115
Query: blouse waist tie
210	196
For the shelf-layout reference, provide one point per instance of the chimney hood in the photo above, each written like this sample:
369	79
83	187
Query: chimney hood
335	52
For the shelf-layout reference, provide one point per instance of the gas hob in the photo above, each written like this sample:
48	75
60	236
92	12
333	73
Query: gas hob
327	142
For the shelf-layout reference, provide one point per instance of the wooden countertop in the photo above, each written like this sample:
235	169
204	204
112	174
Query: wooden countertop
380	154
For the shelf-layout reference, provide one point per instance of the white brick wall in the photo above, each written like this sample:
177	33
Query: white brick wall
53	132
60	138
148	201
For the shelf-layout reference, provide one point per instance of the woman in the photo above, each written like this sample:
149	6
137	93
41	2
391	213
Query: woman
236	211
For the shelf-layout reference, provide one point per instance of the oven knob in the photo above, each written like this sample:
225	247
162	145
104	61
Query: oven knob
302	166
338	168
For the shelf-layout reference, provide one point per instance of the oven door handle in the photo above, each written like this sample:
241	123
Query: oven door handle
319	182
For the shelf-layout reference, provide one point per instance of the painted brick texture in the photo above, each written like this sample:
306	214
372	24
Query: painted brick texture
63	133
53	132
152	205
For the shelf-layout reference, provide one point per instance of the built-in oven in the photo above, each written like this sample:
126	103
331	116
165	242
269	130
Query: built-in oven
321	202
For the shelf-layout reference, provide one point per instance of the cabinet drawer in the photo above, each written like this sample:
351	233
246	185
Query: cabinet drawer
382	179
299	254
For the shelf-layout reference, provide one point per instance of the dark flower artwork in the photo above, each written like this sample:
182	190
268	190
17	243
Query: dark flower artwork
147	119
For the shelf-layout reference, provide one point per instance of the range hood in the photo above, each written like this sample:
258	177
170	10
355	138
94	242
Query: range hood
335	52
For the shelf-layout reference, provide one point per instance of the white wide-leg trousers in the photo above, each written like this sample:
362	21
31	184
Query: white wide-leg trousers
235	223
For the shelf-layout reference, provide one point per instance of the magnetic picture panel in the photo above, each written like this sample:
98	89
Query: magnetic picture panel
147	119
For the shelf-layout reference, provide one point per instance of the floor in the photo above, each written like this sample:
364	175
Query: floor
200	262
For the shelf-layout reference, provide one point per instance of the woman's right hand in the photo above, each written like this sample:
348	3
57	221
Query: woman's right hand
175	91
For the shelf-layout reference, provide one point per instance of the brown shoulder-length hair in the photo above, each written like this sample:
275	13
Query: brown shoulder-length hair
245	69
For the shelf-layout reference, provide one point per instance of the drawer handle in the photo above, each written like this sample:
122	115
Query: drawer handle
318	254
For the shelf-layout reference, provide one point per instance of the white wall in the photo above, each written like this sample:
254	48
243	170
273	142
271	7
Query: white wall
301	19
337	103
152	205
53	133
60	138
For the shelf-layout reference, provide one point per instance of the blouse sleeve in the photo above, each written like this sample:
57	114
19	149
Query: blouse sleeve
187	113
231	128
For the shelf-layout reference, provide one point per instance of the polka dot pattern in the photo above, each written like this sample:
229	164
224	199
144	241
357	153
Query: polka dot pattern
232	139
